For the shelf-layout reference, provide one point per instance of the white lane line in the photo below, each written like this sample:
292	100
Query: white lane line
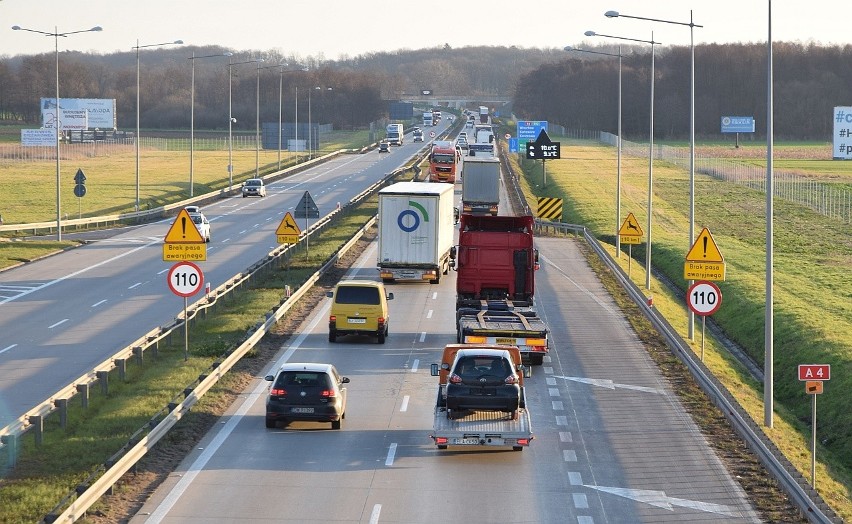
429	314
422	336
226	240
550	381
58	323
553	392
404	406
574	478
7	348
547	370
565	436
163	271
585	519
374	516
580	500
561	420
557	405
435	295
415	365
135	285
391	453
569	455
98	303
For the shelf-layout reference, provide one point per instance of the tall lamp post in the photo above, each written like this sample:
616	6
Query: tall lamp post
691	25
193	58
137	48
618	145
56	34
231	120
310	131
650	149
281	70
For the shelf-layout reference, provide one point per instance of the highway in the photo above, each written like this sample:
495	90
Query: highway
63	315
612	443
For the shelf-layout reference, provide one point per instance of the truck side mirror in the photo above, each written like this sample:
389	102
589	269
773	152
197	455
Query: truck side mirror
526	370
390	296
329	294
456	217
434	370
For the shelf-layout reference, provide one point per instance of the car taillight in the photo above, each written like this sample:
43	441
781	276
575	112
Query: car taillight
332	319
276	392
511	379
381	321
455	379
327	393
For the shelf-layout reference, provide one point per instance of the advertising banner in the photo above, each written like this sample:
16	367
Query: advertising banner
38	137
99	111
842	147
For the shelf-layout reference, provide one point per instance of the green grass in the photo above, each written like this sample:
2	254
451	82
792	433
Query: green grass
45	474
812	306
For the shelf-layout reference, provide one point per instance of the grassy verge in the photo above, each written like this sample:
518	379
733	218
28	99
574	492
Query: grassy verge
811	258
47	473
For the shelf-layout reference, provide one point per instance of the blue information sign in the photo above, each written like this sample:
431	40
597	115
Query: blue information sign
738	124
513	145
530	129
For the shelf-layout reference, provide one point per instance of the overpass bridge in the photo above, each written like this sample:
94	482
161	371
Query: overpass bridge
457	101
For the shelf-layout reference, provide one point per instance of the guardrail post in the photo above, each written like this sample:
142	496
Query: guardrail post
121	364
10	442
137	351
62	405
103	378
37	422
83	390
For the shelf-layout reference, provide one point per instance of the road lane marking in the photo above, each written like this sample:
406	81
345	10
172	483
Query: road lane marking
553	392
422	336
557	405
7	348
609	384
135	285
569	455
163	271
429	314
565	436
415	365
574	478
561	420
403	407
391	453
98	303
374	516
550	381
661	500
435	295
58	323
580	500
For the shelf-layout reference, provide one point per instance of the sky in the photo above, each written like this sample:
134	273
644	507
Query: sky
332	29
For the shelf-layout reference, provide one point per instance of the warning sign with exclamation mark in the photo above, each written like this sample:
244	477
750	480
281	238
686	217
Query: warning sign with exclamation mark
704	260
183	241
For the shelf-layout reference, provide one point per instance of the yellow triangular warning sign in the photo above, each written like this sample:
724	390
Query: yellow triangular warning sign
288	226
630	227
183	230
704	249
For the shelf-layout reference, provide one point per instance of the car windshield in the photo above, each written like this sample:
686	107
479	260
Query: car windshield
474	366
198	219
303	379
253	182
357	295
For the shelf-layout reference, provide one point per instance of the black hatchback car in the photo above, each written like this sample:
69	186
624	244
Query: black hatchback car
306	391
483	379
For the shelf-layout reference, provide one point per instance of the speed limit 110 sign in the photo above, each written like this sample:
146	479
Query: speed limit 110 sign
704	298
185	279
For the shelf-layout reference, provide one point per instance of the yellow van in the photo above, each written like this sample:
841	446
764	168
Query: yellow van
359	307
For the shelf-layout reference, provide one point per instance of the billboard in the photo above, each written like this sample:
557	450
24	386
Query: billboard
38	137
737	124
842	141
100	112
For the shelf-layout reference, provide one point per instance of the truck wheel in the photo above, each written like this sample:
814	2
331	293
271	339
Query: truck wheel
536	359
381	338
436	280
270	423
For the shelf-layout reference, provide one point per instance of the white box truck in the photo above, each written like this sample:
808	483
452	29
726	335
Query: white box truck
428	121
415	231
395	134
480	185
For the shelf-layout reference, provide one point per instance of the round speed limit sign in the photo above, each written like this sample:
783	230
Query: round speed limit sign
704	298
185	279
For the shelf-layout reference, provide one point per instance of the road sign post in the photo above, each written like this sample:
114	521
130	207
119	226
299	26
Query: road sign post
813	375
703	298
185	279
306	208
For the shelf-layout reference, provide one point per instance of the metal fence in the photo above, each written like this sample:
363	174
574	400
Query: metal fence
829	200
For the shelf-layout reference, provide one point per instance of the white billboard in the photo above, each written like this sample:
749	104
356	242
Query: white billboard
38	137
842	148
99	111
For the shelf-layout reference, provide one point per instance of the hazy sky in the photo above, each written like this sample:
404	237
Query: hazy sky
334	28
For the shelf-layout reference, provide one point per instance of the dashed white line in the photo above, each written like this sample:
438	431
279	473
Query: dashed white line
7	348
585	519
550	381
429	314
58	323
422	336
415	365
547	370
565	436
569	455
553	392
135	285
404	406
98	303
391	453
435	295
374	516
580	500
163	271
574	478
561	420
557	405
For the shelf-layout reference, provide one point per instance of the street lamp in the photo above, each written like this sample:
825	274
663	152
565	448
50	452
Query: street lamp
310	131
618	145
650	149
281	71
193	58
137	48
691	25
231	121
56	34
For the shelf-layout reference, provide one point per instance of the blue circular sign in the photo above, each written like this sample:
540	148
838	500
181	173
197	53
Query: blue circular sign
402	226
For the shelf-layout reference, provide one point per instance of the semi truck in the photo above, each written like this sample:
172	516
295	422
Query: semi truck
483	140
480	185
444	162
483	115
478	427
496	261
427	119
415	231
395	134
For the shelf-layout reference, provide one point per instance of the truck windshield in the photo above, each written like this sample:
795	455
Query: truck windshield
441	158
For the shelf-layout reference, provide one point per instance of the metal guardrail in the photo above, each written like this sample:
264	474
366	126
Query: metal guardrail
802	494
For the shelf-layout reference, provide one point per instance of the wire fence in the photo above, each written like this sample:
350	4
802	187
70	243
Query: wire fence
829	200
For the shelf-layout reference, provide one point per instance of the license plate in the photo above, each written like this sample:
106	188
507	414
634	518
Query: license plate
466	441
506	341
357	320
302	410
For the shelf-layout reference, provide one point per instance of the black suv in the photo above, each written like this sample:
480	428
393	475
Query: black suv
484	380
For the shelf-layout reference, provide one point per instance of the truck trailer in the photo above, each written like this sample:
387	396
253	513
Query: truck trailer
496	261
415	231
395	134
479	428
481	185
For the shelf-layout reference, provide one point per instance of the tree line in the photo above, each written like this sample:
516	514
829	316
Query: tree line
730	80
577	90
